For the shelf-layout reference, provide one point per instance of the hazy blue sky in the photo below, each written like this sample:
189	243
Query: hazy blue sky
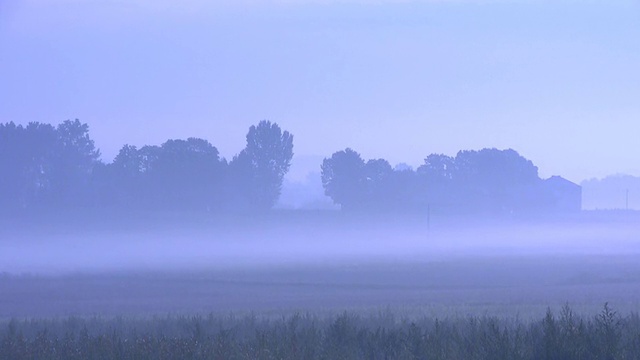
559	81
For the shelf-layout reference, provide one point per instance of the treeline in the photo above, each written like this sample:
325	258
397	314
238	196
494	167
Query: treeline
485	181
565	336
47	167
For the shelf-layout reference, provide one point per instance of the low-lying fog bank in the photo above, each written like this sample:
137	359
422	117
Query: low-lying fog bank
317	262
194	243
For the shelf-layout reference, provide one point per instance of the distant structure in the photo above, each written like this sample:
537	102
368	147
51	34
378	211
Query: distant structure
562	194
614	192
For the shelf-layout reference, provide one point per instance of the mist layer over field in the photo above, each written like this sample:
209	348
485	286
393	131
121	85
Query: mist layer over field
317	262
199	243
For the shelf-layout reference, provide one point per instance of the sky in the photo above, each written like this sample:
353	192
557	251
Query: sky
558	81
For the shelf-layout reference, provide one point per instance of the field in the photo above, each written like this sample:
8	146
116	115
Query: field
373	279
564	335
502	286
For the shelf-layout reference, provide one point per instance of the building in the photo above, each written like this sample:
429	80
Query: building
562	195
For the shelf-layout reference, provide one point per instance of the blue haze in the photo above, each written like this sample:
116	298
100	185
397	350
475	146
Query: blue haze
555	80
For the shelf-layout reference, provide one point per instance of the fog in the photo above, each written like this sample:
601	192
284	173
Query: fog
292	240
317	261
176	228
285	156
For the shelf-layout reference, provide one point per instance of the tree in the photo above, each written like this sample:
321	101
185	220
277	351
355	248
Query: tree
494	180
121	181
73	162
437	178
187	173
128	162
240	182
344	178
378	182
265	159
496	168
13	158
406	190
178	174
438	167
45	165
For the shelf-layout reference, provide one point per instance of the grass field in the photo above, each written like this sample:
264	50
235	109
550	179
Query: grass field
502	286
201	289
563	335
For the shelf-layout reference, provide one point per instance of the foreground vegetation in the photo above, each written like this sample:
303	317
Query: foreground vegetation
346	336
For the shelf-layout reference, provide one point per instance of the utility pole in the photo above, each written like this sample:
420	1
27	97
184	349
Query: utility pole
627	200
428	218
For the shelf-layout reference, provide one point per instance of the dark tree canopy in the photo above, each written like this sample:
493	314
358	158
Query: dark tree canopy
43	165
192	171
495	168
75	159
438	168
179	174
58	167
128	162
489	180
344	178
493	180
377	174
267	158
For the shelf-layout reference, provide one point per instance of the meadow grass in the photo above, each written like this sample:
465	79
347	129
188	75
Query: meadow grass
346	335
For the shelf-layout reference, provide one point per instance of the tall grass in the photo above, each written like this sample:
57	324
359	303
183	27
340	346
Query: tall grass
565	335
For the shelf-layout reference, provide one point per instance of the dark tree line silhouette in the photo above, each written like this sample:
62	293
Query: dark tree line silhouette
486	181
43	165
47	167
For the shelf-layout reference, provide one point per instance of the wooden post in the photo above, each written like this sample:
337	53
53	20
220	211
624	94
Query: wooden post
428	217
627	200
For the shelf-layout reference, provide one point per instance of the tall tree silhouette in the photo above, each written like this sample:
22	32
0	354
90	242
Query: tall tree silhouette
73	163
265	160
